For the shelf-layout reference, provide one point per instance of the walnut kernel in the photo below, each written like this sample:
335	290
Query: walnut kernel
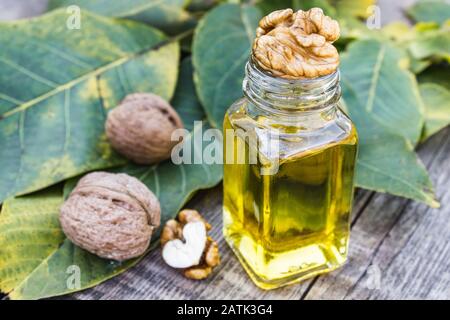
297	45
175	252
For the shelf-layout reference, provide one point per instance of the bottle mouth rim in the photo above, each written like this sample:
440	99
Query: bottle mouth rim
293	95
293	82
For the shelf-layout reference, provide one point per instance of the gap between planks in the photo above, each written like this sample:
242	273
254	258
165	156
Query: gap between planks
375	216
394	238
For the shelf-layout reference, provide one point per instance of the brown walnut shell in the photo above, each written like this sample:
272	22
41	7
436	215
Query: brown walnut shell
140	128
111	215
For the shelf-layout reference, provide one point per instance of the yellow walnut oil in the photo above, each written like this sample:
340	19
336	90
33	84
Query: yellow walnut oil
293	224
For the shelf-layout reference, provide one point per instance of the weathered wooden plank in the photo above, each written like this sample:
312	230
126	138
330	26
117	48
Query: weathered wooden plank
152	279
233	283
414	257
399	248
405	243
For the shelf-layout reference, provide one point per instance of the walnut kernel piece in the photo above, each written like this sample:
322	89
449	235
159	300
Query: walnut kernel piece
297	45
189	215
197	272
171	231
212	256
184	255
140	128
210	259
179	254
111	215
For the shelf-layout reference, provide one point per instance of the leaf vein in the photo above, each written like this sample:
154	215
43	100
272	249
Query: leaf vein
8	98
375	78
28	73
375	169
140	8
81	78
235	65
247	26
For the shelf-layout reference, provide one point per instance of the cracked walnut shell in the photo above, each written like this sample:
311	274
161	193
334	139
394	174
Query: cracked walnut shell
140	128
297	45
111	215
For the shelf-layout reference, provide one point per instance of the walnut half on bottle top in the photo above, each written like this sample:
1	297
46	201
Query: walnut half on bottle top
295	45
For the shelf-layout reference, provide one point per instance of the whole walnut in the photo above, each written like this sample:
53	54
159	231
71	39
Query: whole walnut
140	128
111	215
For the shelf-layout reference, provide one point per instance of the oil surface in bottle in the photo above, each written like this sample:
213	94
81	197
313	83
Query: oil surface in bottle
293	224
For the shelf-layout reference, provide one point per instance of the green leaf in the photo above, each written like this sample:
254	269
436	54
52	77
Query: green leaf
430	11
221	48
398	31
417	65
185	100
172	184
54	275
202	5
56	86
384	88
29	233
382	101
167	15
268	6
353	29
424	43
353	8
437	74
437	103
428	43
388	163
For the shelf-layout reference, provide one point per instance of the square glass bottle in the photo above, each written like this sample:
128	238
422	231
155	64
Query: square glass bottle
290	155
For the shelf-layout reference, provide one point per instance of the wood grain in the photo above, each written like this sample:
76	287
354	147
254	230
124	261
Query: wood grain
403	244
407	242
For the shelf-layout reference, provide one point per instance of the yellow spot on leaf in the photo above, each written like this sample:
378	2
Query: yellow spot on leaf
106	92
51	169
104	147
404	63
90	90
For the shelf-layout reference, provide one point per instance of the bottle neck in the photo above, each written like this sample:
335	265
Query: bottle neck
291	98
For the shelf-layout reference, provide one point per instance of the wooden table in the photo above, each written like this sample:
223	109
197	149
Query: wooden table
399	248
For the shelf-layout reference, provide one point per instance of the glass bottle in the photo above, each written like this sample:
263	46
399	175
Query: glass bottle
290	155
